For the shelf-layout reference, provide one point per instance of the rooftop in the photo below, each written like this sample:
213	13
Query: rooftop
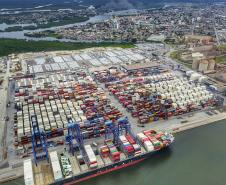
140	66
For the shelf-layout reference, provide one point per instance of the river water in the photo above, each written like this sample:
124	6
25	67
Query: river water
198	157
94	19
20	34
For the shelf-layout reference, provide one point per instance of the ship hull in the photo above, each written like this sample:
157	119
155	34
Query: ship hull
104	170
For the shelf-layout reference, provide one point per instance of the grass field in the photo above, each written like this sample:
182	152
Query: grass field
222	47
220	59
8	46
176	55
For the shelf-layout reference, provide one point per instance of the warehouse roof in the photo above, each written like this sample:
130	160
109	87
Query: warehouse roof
138	66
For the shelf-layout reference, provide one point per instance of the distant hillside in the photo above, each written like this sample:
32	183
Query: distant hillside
98	3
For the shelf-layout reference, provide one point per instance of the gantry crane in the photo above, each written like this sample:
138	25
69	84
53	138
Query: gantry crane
111	129
75	137
38	141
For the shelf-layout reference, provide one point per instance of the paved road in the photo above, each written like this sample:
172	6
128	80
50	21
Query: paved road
216	31
3	104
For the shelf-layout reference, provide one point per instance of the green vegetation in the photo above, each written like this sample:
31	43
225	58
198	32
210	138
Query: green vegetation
63	22
31	27
185	63
170	40
220	59
222	47
55	35
154	41
8	46
46	33
20	28
14	28
48	25
176	55
174	41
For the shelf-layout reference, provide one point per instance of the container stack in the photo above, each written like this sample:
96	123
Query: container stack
92	160
145	141
148	146
151	136
57	173
142	138
154	97
114	153
164	138
104	151
28	172
137	148
130	139
66	166
54	99
109	75
127	148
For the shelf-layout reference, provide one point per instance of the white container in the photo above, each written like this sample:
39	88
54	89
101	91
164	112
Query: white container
57	173
28	172
141	137
148	146
91	156
123	138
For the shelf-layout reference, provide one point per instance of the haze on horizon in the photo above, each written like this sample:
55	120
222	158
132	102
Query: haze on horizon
114	4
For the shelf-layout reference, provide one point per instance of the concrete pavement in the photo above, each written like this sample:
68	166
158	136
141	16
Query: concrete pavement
3	106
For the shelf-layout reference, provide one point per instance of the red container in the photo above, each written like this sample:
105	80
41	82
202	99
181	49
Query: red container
130	139
130	149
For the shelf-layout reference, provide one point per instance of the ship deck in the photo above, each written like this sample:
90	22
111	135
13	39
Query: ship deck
43	174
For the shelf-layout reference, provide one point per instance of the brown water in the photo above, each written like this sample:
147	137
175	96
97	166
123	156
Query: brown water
198	157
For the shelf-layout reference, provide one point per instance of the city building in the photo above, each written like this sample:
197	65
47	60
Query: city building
211	65
203	65
221	76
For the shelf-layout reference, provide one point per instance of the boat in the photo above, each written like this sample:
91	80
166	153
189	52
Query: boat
162	140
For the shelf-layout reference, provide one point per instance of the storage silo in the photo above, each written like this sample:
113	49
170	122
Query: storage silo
203	65
195	64
211	65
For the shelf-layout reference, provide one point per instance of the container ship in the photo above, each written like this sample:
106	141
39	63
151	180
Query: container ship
92	160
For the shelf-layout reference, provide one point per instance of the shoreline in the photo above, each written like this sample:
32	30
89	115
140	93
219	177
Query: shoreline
9	174
202	122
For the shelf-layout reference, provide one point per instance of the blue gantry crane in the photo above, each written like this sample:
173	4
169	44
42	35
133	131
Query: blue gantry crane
124	126
75	138
117	129
70	137
39	144
111	129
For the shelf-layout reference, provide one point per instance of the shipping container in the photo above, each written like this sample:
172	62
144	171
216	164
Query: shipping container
92	160
55	164
28	172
